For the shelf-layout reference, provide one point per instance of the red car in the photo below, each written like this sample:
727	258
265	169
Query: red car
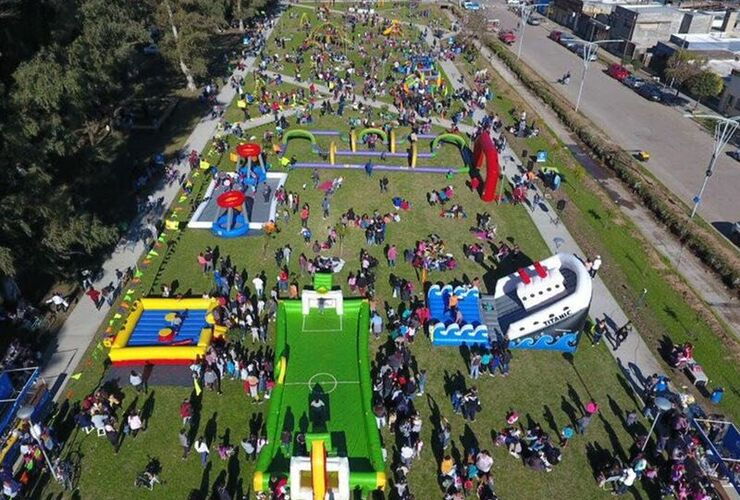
618	72
508	37
555	35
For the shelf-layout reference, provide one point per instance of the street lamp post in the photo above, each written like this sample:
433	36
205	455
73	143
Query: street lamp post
663	404
724	129
526	12
589	50
24	413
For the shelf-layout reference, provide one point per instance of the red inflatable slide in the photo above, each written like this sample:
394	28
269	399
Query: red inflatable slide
485	150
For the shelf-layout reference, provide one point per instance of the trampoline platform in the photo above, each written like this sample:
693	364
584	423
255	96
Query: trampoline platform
259	211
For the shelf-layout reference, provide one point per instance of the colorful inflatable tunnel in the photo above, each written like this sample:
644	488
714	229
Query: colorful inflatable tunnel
150	334
485	150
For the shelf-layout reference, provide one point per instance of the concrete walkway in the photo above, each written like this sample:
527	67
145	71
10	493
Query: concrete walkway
65	352
633	356
721	300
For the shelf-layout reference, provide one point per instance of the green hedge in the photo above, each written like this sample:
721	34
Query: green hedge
622	164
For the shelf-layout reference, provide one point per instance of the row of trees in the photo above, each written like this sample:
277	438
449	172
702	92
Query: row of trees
65	67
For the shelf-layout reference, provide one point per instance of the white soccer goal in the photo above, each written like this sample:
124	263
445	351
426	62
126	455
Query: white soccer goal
332	299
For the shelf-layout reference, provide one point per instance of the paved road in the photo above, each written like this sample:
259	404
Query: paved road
679	148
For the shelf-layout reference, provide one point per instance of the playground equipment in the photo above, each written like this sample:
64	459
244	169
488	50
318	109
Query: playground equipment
149	334
421	73
389	141
446	332
234	219
321	354
328	33
394	29
225	209
541	307
250	174
485	150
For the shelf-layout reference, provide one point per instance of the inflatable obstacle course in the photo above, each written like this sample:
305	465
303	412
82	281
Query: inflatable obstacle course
322	356
445	331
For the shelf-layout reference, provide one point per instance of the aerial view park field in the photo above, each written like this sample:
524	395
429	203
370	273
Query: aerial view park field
357	288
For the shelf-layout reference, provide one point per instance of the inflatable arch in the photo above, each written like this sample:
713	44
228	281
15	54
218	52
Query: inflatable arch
453	139
485	150
299	134
377	131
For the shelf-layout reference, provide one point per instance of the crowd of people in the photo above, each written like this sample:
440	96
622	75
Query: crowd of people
431	254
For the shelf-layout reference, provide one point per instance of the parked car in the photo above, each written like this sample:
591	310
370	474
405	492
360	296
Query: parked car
555	35
472	6
580	49
513	2
735	236
618	72
534	21
508	37
633	82
734	154
567	41
651	92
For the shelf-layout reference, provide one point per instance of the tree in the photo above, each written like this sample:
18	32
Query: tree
185	44
705	84
682	66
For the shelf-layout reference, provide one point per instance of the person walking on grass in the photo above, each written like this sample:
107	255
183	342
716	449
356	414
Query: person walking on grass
392	255
136	381
184	443
325	205
584	422
475	363
201	447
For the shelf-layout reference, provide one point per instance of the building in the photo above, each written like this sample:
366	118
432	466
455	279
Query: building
720	51
645	25
729	101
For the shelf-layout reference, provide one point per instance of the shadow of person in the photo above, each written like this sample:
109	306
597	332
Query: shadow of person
318	408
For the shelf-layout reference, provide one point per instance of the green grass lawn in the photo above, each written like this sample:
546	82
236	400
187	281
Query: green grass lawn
543	387
671	313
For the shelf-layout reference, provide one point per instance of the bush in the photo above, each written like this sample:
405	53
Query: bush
625	168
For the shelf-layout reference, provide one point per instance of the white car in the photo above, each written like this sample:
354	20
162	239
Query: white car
513	2
472	6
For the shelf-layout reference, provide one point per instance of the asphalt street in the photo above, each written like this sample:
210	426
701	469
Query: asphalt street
679	149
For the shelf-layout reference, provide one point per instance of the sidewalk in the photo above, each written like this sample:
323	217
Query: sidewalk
633	356
66	350
707	286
